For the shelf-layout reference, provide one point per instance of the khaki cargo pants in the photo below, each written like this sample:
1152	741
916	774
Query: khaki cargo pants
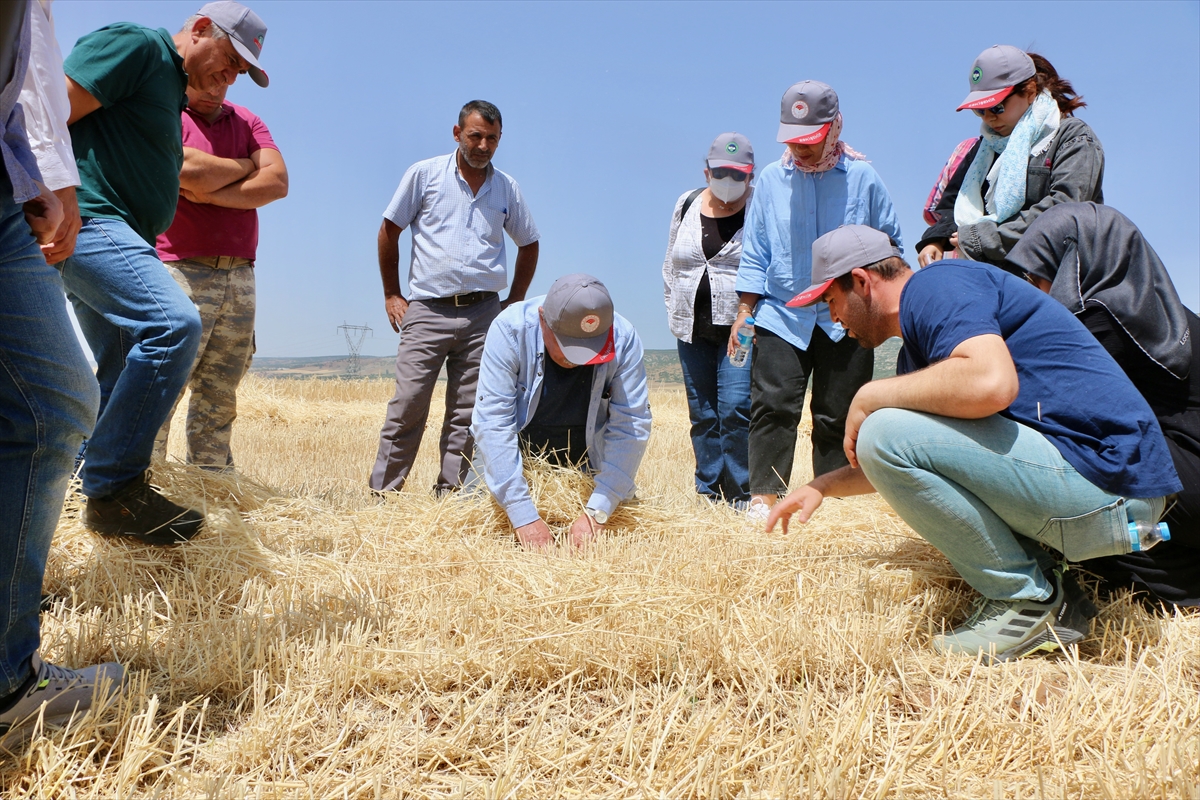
223	290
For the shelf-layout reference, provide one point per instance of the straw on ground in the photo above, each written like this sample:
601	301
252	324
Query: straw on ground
317	643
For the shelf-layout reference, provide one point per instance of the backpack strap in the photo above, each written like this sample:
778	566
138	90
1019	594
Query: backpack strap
688	203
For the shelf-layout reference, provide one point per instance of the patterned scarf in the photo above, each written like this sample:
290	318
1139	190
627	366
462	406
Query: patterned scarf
829	158
1006	179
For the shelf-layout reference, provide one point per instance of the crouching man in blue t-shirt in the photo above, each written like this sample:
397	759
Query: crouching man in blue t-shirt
1008	427
562	376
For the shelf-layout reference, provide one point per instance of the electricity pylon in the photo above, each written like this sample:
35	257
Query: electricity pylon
355	334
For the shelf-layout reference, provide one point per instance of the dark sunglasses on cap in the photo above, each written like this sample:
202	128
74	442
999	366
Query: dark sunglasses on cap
728	172
997	110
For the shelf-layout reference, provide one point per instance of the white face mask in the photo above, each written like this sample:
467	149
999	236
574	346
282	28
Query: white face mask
727	189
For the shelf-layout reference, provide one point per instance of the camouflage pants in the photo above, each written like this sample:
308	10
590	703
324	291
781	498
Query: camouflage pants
225	299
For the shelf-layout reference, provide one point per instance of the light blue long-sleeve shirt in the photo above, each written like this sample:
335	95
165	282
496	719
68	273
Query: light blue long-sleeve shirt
791	210
510	386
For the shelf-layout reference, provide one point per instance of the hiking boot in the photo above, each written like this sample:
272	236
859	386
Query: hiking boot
139	511
1005	630
58	694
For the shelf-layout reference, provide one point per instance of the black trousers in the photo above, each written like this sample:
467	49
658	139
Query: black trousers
779	375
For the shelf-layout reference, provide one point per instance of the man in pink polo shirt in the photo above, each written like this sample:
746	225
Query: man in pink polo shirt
231	167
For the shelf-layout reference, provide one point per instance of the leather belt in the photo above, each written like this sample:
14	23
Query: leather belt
222	262
468	299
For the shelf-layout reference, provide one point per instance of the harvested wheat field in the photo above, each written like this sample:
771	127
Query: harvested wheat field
315	643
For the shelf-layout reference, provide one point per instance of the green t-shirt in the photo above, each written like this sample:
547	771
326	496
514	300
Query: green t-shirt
129	150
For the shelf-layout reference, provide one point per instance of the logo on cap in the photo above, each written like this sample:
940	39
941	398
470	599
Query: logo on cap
590	323
976	74
800	109
731	148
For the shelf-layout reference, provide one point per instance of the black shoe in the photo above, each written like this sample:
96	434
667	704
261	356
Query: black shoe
139	511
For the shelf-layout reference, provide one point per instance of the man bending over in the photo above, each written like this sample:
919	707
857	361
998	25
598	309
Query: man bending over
1007	430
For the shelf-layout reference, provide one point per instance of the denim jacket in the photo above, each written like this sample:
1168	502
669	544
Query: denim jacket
510	385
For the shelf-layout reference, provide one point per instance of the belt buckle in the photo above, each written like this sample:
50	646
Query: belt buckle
456	303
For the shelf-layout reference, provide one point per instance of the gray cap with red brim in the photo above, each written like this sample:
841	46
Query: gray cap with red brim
994	74
579	312
246	32
807	110
840	251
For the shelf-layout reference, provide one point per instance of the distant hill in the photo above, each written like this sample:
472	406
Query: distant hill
662	366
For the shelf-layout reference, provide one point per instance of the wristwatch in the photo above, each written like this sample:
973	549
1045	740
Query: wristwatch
598	516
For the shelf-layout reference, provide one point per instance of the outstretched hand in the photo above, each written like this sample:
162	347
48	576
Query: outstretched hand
802	503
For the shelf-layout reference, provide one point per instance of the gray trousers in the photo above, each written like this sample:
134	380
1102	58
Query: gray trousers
430	335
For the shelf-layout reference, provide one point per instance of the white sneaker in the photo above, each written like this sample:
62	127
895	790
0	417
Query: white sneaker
62	693
758	512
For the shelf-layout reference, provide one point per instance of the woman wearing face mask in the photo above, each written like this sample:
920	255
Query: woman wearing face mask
1096	262
1032	153
699	271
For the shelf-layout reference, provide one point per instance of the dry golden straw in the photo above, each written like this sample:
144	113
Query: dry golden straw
316	643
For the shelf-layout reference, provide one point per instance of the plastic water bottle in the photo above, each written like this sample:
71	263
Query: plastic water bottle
1144	535
745	338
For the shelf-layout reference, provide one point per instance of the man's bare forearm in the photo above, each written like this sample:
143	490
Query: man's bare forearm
523	270
977	380
261	187
389	257
844	482
205	173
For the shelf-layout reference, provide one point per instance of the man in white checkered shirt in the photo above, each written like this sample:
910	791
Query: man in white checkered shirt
459	207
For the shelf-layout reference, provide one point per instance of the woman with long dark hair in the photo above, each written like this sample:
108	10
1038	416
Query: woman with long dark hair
1096	262
1032	153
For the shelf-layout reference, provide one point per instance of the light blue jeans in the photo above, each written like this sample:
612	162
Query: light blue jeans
987	493
48	401
144	333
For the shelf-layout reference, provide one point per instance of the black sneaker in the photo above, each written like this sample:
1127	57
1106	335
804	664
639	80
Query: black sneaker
139	511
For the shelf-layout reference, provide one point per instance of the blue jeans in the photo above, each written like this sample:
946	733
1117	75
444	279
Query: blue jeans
144	333
988	493
718	395
48	401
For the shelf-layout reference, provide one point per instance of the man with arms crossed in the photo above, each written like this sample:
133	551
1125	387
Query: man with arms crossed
126	86
231	167
1007	428
47	405
563	377
459	207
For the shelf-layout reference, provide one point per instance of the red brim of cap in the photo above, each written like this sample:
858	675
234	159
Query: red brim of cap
987	101
717	163
810	138
810	295
607	353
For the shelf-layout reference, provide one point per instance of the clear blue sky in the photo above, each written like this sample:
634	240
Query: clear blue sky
609	109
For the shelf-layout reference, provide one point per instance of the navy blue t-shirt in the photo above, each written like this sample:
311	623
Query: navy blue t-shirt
1071	390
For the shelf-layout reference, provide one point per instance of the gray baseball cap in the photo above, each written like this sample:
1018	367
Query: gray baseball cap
246	32
731	150
994	74
807	110
840	251
579	312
